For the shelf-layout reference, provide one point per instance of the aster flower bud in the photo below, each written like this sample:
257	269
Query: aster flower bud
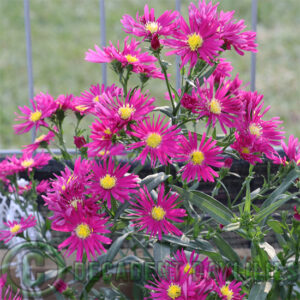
155	44
188	101
79	141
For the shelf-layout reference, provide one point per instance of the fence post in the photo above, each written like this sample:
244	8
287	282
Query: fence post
253	55
103	38
29	55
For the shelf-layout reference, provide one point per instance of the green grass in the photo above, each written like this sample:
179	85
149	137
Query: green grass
63	30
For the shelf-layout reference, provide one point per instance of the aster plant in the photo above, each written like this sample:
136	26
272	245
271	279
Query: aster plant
145	183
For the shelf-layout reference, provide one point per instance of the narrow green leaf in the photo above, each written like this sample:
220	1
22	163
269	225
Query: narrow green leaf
259	291
152	181
278	201
270	251
286	183
232	227
276	226
167	110
115	247
225	249
204	248
208	204
160	252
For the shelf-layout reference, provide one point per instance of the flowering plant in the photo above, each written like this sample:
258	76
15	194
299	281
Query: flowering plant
110	213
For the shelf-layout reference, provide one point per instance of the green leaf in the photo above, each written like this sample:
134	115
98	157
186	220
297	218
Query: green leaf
226	250
264	213
115	247
276	226
200	246
270	251
208	204
160	252
259	291
167	110
152	181
286	183
232	227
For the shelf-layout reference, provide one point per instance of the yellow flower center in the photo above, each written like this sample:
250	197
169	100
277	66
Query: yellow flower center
245	150
158	213
96	98
125	112
255	130
131	58
195	41
189	269
75	202
108	182
215	106
174	291
15	228
63	187
83	231
227	292
35	116
298	162
27	163
197	157
152	27
81	107
40	138
153	140
107	131
71	178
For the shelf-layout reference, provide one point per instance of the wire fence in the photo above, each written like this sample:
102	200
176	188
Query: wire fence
102	18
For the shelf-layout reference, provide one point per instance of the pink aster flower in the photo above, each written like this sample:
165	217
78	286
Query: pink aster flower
227	289
156	216
65	102
222	70
7	294
109	181
87	234
42	140
16	228
292	151
23	186
122	111
68	190
249	148
231	31
130	55
147	25
156	139
43	186
9	166
199	159
27	162
96	94
197	40
149	71
114	150
251	123
183	288
43	106
217	105
102	134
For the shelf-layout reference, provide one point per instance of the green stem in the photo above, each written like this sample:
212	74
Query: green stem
167	83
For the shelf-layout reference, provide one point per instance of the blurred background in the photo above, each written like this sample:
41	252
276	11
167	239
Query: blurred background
63	30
